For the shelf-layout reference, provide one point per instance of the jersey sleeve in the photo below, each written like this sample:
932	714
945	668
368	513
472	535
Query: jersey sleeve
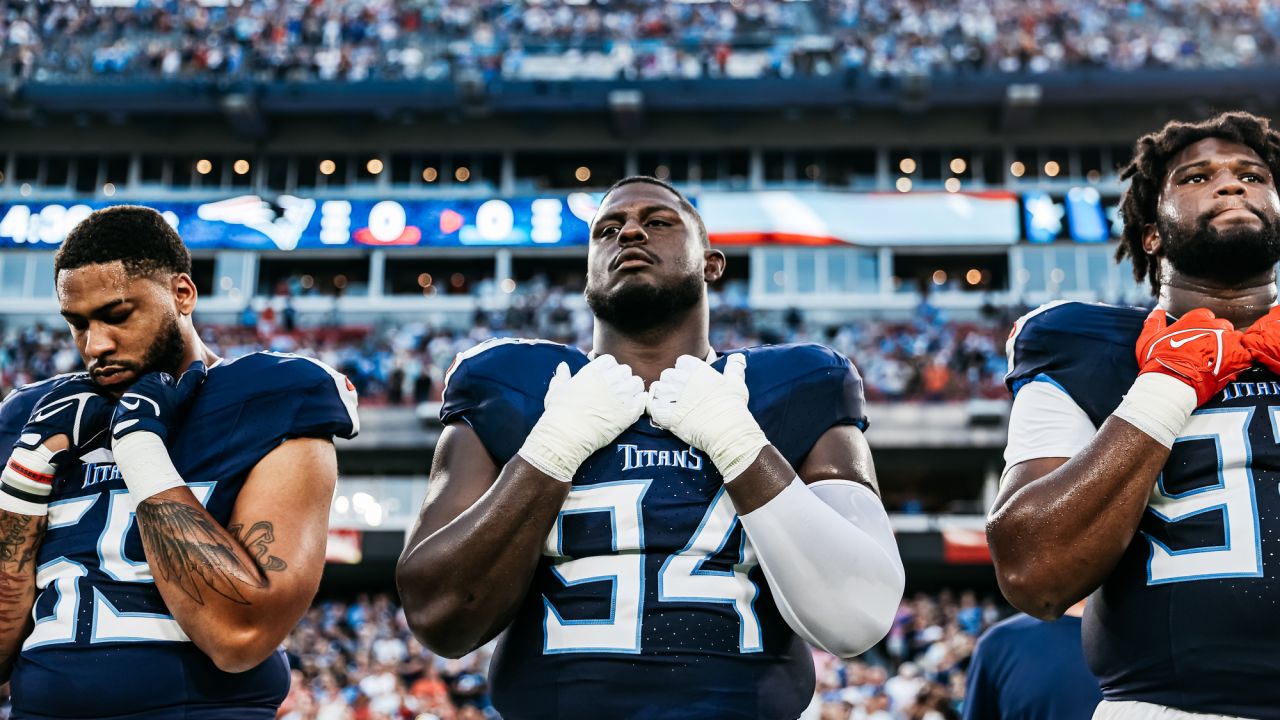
497	389
1086	350
328	406
800	392
16	410
1045	422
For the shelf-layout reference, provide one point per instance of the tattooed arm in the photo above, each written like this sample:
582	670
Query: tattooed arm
19	539
237	591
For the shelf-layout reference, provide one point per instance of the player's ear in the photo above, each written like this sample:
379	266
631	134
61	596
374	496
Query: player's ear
713	265
1151	240
184	293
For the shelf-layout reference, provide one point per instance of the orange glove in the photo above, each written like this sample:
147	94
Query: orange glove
1201	350
1263	340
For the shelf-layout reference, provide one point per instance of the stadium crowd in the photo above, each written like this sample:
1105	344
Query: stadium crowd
358	661
271	40
926	359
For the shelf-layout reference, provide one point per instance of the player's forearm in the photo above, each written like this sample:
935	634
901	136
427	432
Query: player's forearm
828	551
461	584
219	593
1054	539
20	537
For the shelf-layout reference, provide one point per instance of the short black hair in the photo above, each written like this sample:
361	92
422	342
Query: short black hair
685	205
135	235
1150	162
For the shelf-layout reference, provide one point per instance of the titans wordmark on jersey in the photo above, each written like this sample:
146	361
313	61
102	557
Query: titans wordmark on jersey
1187	618
648	601
104	645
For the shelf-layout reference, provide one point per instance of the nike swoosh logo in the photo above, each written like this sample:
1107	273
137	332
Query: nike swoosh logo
1175	344
52	410
133	401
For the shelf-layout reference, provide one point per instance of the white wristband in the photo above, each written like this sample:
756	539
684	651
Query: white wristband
145	465
1158	405
27	481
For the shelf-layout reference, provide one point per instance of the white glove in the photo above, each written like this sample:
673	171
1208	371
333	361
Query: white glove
582	414
709	411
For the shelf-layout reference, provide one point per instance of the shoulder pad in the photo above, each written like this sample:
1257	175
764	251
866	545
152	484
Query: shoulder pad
498	386
1086	349
20	402
323	400
800	391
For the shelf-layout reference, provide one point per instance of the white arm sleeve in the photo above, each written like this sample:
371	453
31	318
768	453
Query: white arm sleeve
1045	422
832	563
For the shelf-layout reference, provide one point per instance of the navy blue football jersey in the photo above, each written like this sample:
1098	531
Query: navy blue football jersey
104	645
648	601
1188	617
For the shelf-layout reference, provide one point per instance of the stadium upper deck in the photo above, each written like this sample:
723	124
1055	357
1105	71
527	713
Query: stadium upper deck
568	39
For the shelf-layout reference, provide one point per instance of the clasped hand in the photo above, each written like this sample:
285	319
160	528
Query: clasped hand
1206	352
586	411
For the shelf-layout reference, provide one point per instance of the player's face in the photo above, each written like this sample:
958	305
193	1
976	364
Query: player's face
124	327
1219	215
646	262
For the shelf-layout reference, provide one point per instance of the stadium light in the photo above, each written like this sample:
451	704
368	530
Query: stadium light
307	282
958	165
204	167
109	189
241	167
327	167
907	165
952	185
973	277
340	281
25	189
903	184
462	174
1052	168
1093	176
662	172
430	175
1017	169
374	166
939	277
583	173
508	285
424	280
457	280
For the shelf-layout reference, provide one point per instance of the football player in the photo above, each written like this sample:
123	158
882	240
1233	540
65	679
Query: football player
658	527
1144	448
163	515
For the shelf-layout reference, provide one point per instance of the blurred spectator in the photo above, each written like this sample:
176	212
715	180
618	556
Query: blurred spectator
472	40
932	360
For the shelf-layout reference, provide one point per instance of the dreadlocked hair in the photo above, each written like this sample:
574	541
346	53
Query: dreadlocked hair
1147	170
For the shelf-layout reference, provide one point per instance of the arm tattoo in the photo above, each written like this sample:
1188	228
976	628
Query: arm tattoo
257	541
16	547
188	551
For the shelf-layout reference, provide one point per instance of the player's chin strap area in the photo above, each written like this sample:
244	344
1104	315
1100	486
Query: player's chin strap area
828	552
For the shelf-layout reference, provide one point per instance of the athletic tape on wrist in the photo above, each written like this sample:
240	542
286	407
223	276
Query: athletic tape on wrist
27	481
745	453
145	465
1158	405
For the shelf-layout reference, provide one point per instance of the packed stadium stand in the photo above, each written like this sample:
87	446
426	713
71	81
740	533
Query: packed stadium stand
562	40
384	184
